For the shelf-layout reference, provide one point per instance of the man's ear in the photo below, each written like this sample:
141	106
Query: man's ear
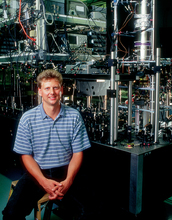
62	90
40	91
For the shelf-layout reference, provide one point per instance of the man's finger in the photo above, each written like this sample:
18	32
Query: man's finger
56	187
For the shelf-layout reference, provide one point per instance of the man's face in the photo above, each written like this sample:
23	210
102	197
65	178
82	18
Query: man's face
50	91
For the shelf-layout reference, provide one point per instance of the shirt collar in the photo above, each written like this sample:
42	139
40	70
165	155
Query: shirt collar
44	115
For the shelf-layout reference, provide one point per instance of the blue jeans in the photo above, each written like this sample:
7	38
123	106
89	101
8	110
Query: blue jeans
27	192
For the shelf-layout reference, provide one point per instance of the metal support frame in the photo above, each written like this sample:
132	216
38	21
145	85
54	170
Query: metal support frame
143	59
114	86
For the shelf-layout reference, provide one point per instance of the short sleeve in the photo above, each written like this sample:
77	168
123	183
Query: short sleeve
22	143
80	139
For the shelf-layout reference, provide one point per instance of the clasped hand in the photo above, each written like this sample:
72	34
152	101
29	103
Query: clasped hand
55	189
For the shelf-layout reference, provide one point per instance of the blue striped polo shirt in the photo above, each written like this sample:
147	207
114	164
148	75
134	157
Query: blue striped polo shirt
51	142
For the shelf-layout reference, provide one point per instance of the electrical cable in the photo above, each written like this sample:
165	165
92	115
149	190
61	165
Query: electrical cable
49	23
55	42
123	26
33	39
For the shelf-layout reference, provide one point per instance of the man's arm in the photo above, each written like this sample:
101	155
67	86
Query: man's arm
73	169
47	184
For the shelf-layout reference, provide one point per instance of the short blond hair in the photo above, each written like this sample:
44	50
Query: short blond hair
49	74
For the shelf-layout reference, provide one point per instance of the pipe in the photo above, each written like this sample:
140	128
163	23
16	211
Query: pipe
143	48
158	54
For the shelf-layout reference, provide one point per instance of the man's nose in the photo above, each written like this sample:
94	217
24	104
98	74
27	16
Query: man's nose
52	90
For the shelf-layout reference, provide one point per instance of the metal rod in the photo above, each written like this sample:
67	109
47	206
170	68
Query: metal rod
168	102
105	102
137	119
153	31
143	35
158	55
112	101
137	62
38	25
152	104
116	113
88	101
116	28
145	115
130	103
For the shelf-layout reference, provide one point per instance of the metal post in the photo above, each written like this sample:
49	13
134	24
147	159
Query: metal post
158	54
137	119
143	34
105	102
136	183
152	104
116	28
153	31
130	103
115	55
116	111
112	101
38	25
88	101
146	115
168	102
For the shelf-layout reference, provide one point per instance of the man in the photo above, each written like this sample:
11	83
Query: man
50	139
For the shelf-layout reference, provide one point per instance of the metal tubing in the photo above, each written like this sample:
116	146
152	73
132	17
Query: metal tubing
152	104
105	102
137	119
158	54
143	48
116	111
114	85
168	101
112	107
38	25
153	31
145	115
40	30
130	103
116	28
